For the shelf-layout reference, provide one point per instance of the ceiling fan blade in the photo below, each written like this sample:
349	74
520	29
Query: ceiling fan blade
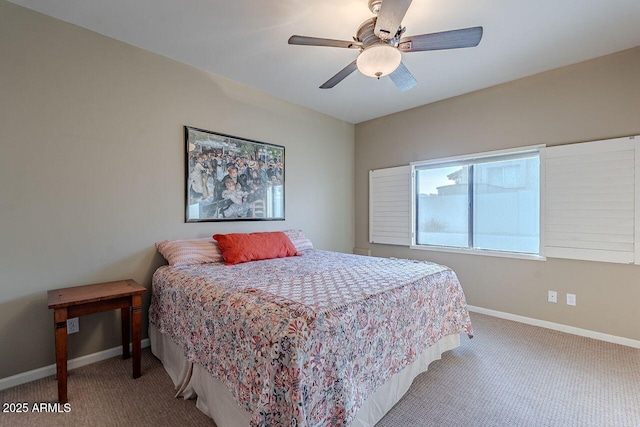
315	41
466	37
402	78
342	74
390	17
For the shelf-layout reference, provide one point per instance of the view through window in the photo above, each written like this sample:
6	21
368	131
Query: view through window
490	203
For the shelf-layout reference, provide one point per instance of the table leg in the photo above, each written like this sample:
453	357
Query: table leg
136	329
126	325
60	322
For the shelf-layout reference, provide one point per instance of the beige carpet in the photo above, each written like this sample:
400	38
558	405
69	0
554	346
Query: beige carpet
510	374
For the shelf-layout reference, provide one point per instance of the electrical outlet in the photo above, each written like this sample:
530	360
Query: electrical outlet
571	299
73	326
552	296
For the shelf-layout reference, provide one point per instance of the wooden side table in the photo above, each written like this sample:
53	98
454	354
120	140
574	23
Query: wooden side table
68	303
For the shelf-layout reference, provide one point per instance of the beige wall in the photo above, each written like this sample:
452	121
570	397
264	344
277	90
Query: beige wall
92	171
593	100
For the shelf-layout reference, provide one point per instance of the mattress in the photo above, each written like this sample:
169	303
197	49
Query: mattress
306	340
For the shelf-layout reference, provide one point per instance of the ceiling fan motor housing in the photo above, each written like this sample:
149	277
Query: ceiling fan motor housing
367	37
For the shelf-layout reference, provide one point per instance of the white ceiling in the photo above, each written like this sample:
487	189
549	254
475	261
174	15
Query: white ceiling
246	41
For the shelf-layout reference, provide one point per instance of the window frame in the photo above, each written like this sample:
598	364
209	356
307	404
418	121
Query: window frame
475	158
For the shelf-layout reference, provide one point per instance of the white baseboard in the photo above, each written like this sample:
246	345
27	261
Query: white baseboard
557	327
46	371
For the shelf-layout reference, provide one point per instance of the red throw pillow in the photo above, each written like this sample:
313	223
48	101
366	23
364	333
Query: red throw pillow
240	247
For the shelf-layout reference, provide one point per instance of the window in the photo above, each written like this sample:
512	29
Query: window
575	201
486	202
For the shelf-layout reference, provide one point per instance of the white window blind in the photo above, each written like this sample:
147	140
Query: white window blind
590	195
390	206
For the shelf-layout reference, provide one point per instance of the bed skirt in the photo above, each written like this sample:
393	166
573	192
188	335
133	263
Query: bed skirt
214	399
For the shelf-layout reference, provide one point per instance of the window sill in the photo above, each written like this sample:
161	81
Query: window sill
479	252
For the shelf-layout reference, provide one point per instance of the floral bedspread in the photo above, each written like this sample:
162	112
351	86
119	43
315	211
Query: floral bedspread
303	341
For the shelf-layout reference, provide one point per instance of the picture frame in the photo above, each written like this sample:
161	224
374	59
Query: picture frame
229	178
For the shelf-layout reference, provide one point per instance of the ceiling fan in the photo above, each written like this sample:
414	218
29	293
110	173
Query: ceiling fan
380	44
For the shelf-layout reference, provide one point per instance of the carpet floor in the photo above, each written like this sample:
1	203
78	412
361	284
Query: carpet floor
509	374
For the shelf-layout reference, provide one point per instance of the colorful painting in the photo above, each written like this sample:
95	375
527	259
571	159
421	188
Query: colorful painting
232	179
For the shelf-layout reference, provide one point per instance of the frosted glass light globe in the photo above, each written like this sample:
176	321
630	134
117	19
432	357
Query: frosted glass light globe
379	60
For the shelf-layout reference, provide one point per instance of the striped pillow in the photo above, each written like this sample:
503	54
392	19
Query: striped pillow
190	251
299	240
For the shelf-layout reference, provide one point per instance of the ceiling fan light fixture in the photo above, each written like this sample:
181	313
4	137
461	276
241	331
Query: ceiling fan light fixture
379	60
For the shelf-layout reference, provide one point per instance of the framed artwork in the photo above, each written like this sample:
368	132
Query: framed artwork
232	179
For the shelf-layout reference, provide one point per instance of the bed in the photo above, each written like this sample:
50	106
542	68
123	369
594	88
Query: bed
324	338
